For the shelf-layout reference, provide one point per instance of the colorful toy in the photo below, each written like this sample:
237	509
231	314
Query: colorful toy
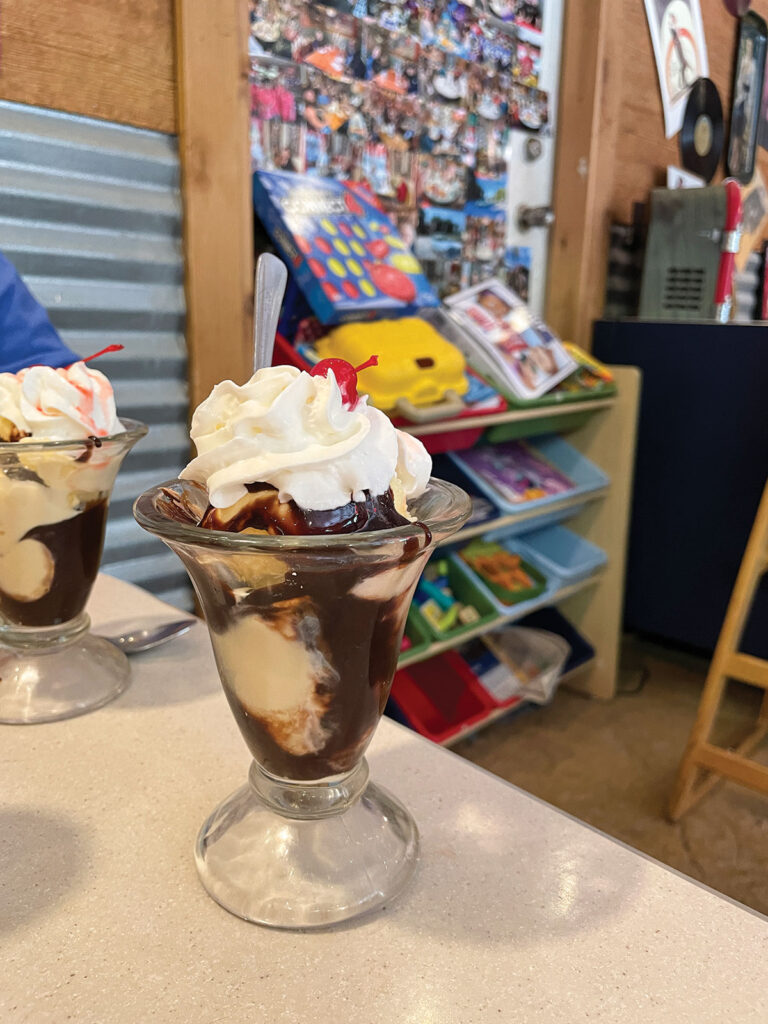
437	602
416	363
344	251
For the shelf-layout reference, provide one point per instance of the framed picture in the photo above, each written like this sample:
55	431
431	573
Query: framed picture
747	97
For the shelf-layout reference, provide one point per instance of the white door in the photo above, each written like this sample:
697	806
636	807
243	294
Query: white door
531	159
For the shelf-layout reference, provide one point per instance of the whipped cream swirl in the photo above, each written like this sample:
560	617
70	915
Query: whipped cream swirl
293	431
59	404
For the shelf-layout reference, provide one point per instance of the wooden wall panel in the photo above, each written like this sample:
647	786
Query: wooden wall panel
589	108
112	59
214	121
611	144
642	151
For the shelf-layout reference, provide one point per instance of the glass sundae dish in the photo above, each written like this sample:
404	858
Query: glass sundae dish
304	524
61	445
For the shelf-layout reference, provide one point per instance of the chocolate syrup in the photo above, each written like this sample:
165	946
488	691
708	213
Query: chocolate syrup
358	637
262	511
75	545
90	443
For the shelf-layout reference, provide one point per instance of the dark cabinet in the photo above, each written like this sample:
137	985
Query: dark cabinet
702	463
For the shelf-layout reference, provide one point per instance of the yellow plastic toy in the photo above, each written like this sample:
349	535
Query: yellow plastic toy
417	366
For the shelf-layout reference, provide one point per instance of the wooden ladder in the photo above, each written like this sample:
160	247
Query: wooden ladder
704	764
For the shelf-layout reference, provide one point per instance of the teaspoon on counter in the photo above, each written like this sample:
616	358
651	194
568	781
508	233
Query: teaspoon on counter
143	638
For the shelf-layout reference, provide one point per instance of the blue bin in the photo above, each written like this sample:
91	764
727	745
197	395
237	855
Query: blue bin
561	553
514	529
584	475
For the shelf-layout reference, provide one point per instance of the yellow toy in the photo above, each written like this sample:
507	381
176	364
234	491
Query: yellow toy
417	366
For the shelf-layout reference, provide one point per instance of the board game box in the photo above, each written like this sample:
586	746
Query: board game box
346	255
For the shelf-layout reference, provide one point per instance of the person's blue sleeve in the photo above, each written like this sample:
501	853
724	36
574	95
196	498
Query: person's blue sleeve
27	336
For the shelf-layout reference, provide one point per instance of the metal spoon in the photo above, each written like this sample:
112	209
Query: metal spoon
268	291
143	638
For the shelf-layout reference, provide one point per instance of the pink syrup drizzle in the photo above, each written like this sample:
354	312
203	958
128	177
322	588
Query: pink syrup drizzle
85	409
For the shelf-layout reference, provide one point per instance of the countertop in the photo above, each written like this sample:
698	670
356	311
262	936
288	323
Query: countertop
516	912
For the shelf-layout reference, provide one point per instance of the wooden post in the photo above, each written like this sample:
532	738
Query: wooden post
586	134
213	114
608	438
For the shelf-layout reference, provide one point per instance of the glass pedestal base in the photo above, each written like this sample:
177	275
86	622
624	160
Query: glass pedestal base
301	855
46	682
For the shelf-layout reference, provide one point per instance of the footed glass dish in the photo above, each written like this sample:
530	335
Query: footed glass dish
306	632
54	497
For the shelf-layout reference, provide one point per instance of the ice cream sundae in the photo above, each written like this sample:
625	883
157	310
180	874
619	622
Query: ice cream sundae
304	522
54	489
306	643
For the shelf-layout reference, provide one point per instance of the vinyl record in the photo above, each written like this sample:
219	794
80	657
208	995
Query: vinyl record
702	134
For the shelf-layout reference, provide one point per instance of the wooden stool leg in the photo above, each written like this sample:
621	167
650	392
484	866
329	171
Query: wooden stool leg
686	793
689	787
762	718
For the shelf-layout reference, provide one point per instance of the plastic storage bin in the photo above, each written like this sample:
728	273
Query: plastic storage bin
486	549
516	528
466	590
554	621
417	631
502	609
561	553
483	509
583	474
517	429
439	697
494	677
535	656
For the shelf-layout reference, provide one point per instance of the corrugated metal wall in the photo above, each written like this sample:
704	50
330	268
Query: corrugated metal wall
90	213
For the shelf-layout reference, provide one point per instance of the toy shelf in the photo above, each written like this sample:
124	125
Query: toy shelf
510	416
518	611
594	605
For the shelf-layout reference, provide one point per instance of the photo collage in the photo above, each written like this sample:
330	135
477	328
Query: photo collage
413	99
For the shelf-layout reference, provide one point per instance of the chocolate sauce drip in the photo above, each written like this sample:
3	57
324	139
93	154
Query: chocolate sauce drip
90	443
75	545
262	511
176	507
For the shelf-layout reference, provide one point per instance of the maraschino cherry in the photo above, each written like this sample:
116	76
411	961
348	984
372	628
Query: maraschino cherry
345	374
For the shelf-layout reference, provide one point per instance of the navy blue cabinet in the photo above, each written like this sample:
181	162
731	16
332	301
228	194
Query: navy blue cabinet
702	463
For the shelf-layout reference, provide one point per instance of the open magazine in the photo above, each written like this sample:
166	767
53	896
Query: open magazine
510	344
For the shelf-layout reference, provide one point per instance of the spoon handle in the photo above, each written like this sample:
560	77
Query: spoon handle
269	288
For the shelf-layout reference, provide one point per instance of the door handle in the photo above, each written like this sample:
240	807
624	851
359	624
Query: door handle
535	217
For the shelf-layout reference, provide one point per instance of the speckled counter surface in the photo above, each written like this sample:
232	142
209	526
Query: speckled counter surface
516	912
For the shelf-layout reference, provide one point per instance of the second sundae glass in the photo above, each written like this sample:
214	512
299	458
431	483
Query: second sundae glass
306	632
53	508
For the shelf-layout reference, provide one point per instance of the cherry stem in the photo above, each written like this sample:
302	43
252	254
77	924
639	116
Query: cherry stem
373	361
104	351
